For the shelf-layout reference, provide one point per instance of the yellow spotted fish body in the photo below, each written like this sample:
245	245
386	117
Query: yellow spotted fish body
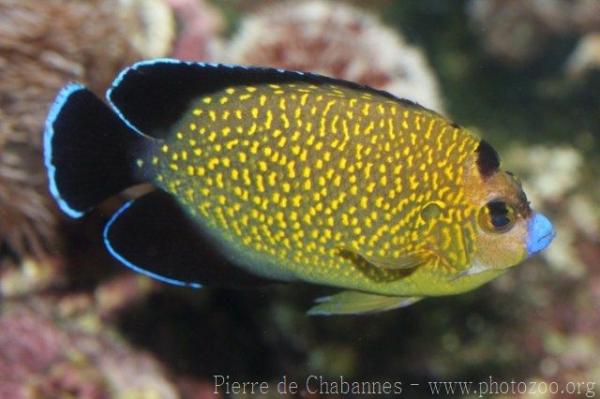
293	176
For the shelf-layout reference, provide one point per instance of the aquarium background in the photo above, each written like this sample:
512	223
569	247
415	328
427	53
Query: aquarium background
523	74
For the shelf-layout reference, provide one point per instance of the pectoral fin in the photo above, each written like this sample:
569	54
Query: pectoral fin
354	302
403	262
471	270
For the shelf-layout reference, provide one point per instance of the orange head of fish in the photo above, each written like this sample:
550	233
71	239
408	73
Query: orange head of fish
507	230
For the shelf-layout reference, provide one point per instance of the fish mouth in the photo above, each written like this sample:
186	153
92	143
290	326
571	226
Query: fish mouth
541	232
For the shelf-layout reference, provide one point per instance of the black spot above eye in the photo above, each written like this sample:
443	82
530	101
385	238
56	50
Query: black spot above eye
487	159
499	214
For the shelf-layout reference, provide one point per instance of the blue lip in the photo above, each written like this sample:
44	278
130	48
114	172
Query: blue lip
540	233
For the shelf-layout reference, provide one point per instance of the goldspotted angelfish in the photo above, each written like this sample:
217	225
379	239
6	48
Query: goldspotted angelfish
289	176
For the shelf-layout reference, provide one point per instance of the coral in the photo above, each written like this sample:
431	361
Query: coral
539	322
516	32
50	348
585	57
115	295
44	44
550	172
191	389
564	295
553	180
200	26
25	210
150	26
336	39
584	15
30	275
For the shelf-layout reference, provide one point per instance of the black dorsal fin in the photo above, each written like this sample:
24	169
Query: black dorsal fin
152	95
152	235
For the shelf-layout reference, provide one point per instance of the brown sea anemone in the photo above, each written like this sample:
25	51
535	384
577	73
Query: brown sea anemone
43	45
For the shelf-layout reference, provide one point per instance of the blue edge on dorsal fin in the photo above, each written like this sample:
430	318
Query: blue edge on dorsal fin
157	61
130	265
150	96
308	76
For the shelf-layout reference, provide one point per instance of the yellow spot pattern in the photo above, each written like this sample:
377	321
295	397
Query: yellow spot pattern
291	174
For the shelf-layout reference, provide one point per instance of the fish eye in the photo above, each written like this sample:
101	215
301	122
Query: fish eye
497	216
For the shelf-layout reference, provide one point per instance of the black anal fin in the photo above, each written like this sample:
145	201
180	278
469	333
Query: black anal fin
154	236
